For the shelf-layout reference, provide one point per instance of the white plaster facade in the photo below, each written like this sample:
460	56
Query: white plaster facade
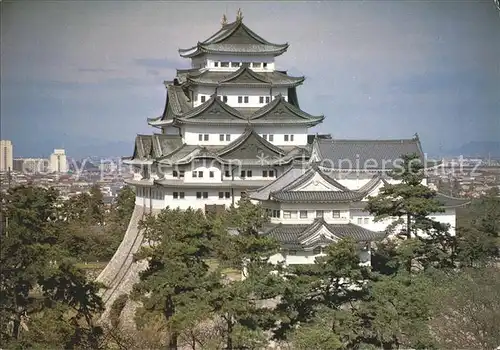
211	135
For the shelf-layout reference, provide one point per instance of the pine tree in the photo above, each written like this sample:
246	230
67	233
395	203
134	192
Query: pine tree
246	306
178	281
411	202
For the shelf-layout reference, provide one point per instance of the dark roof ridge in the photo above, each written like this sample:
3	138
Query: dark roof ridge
240	140
290	168
314	169
209	103
280	100
240	71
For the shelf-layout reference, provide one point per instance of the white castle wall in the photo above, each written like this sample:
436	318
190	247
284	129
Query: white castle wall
232	94
191	134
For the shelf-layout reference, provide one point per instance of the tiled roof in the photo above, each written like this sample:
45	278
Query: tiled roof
248	149
287	177
317	196
284	188
244	76
178	110
154	146
297	235
245	137
369	154
234	37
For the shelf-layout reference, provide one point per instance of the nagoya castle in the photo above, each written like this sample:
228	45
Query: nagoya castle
231	127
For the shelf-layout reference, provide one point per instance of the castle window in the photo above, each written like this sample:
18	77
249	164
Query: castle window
243	174
264	136
200	137
336	214
227	194
216	64
303	214
200	173
249	173
211	174
366	221
221	195
205	195
271	138
198	195
235	64
228	137
224	64
181	173
287	214
240	99
174	173
194	174
319	213
264	64
224	99
264	173
205	137
227	173
221	137
271	173
176	195
360	221
261	99
203	98
267	99
245	99
256	64
181	195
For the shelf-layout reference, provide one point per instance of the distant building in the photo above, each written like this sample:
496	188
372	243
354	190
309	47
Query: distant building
6	155
31	165
58	161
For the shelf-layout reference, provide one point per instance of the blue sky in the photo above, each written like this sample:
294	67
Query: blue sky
85	75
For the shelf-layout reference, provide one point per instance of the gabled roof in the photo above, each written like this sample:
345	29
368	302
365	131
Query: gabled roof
286	188
243	77
178	110
232	38
252	143
280	109
248	149
213	109
308	175
365	155
319	233
149	147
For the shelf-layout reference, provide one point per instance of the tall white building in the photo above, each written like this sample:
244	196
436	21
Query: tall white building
6	155
58	161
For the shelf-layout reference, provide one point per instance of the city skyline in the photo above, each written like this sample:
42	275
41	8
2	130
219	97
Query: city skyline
81	75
